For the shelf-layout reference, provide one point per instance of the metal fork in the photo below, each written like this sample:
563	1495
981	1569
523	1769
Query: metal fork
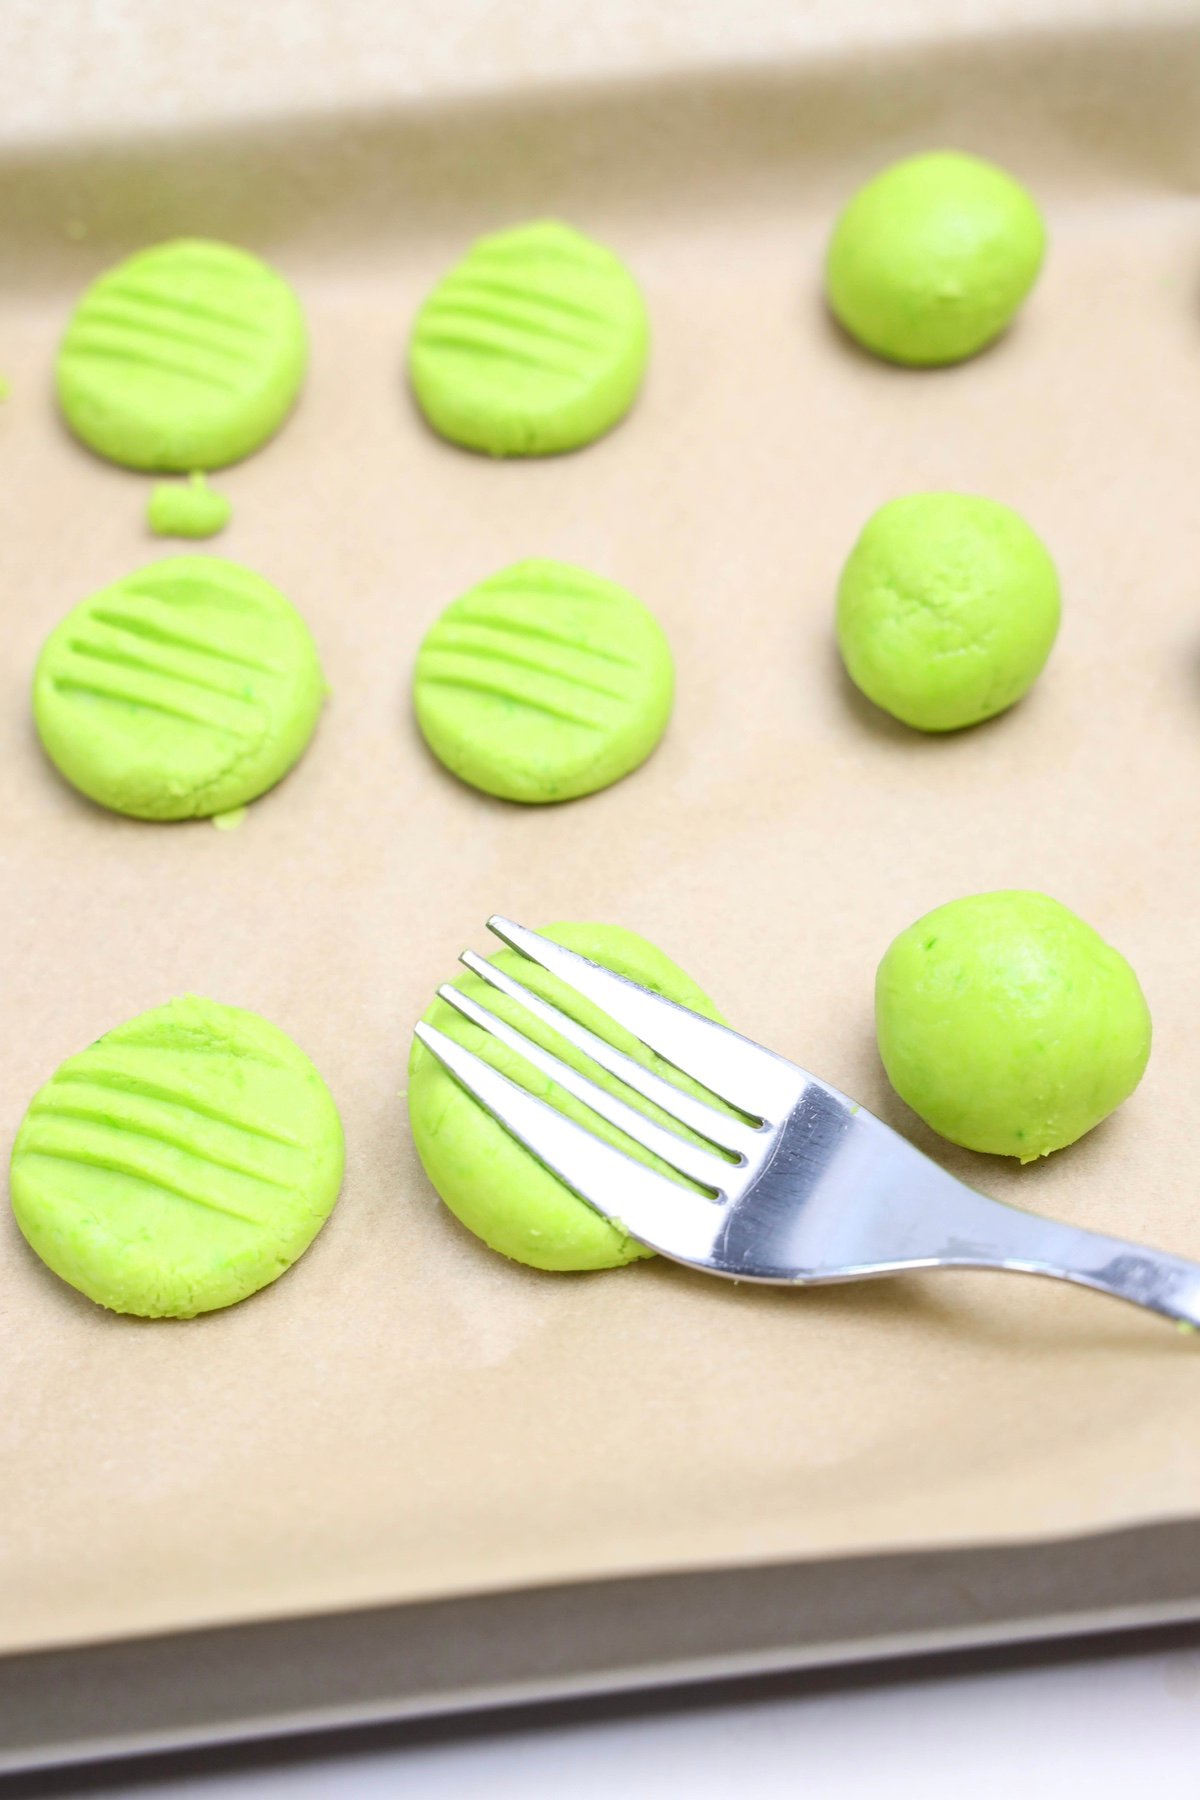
803	1187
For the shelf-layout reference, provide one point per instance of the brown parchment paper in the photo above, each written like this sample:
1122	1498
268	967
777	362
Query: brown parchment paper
405	1414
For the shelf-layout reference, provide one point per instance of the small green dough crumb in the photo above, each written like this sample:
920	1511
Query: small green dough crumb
544	683
488	1181
187	356
930	261
535	343
1183	1326
185	690
1008	1024
229	821
947	609
180	1163
188	510
5	390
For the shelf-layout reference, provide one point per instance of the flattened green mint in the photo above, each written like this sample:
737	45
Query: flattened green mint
180	1163
488	1181
543	683
186	356
535	343
184	690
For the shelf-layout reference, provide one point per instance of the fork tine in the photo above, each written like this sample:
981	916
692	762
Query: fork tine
652	1208
705	1120
699	1165
753	1079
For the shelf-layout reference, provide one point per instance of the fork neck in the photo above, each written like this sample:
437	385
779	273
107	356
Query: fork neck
991	1235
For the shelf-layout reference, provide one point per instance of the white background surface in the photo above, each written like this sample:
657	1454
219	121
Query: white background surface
104	68
1116	1725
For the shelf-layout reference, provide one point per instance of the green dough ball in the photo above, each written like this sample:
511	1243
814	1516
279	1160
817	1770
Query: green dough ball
488	1181
1008	1024
185	690
544	683
947	609
536	342
181	1162
930	260
186	356
187	509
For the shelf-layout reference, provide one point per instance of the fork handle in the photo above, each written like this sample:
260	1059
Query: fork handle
1012	1239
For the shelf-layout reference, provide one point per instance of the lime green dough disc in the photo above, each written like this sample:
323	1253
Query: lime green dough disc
947	609
488	1181
178	1164
182	691
535	343
930	261
544	683
187	356
1008	1024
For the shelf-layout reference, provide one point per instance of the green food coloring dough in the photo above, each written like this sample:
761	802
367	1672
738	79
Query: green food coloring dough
493	1185
947	609
536	342
180	1163
930	261
543	683
187	509
1008	1024
186	356
182	691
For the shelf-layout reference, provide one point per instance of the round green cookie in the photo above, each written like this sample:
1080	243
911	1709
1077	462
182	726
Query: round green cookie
536	342
488	1181
1008	1024
543	683
947	609
180	1163
930	260
184	690
186	356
